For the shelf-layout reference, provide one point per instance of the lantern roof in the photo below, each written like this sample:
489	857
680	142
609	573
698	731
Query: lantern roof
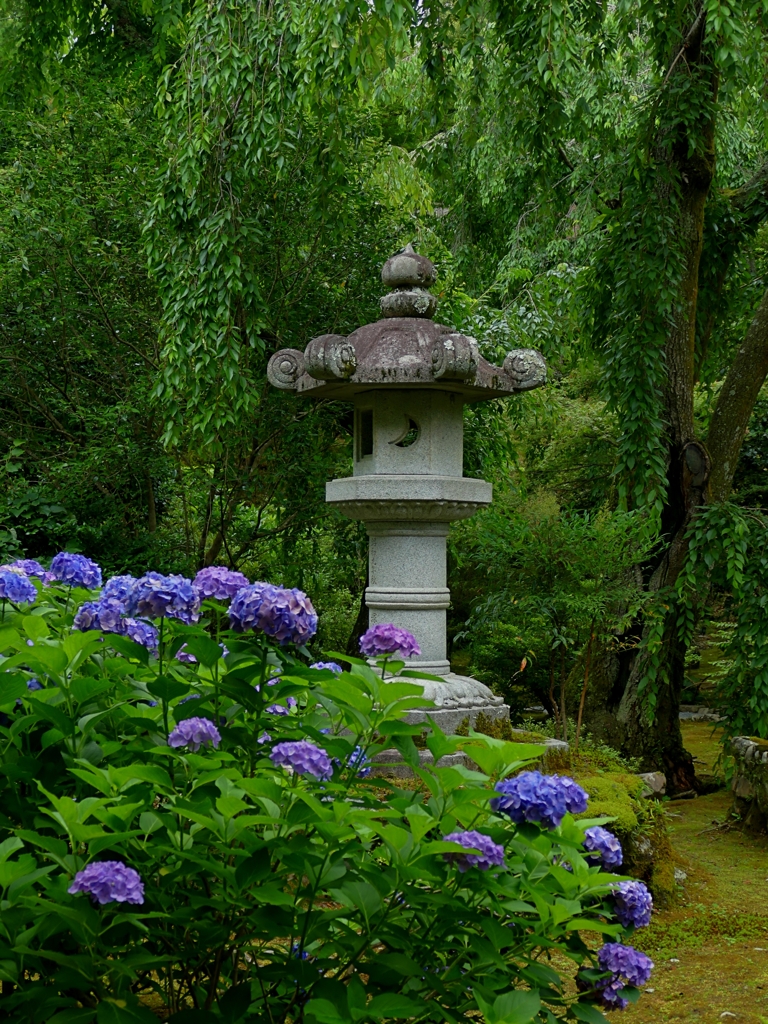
405	349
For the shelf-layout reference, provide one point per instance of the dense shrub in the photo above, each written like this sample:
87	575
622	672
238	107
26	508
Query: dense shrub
213	794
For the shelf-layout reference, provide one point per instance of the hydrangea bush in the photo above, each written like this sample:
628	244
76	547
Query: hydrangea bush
180	840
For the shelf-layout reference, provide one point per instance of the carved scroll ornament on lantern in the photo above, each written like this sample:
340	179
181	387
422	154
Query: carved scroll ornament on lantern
455	357
330	357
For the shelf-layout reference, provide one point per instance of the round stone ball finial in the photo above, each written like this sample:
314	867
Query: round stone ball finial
409	276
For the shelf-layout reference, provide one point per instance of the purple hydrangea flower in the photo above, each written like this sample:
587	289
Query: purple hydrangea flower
286	615
264	738
30	567
279	709
16	587
303	757
633	904
142	633
118	587
76	570
388	639
194	733
109	881
330	666
220	582
604	846
155	596
491	854
545	799
626	964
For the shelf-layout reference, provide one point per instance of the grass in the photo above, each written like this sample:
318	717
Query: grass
711	950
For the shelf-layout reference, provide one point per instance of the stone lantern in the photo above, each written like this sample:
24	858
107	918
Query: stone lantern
409	379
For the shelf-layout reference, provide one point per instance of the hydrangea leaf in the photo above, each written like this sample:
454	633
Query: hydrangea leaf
166	688
12	686
588	1013
391	1004
207	651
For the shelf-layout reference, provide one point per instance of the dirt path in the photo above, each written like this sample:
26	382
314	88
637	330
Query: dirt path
711	951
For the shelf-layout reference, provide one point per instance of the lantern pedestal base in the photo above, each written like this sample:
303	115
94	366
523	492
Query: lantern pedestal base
456	698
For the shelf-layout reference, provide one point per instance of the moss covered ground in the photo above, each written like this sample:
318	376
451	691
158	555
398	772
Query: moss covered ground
711	948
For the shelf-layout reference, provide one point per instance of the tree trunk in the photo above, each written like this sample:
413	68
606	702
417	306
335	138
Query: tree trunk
623	677
615	706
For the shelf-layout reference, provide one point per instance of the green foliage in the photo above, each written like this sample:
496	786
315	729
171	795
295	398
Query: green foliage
727	546
78	320
552	579
267	893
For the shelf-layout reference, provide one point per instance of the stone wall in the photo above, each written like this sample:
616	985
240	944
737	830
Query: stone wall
750	781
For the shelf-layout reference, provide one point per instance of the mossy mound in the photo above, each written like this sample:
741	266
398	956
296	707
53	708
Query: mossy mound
615	796
639	825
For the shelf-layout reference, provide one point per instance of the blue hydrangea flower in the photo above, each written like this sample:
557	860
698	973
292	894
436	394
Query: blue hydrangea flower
87	616
16	587
286	615
118	587
76	570
633	904
604	846
627	965
194	733
142	633
185	656
303	757
30	567
359	759
545	799
109	881
111	612
155	596
386	638
330	666
491	855
219	582
105	614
